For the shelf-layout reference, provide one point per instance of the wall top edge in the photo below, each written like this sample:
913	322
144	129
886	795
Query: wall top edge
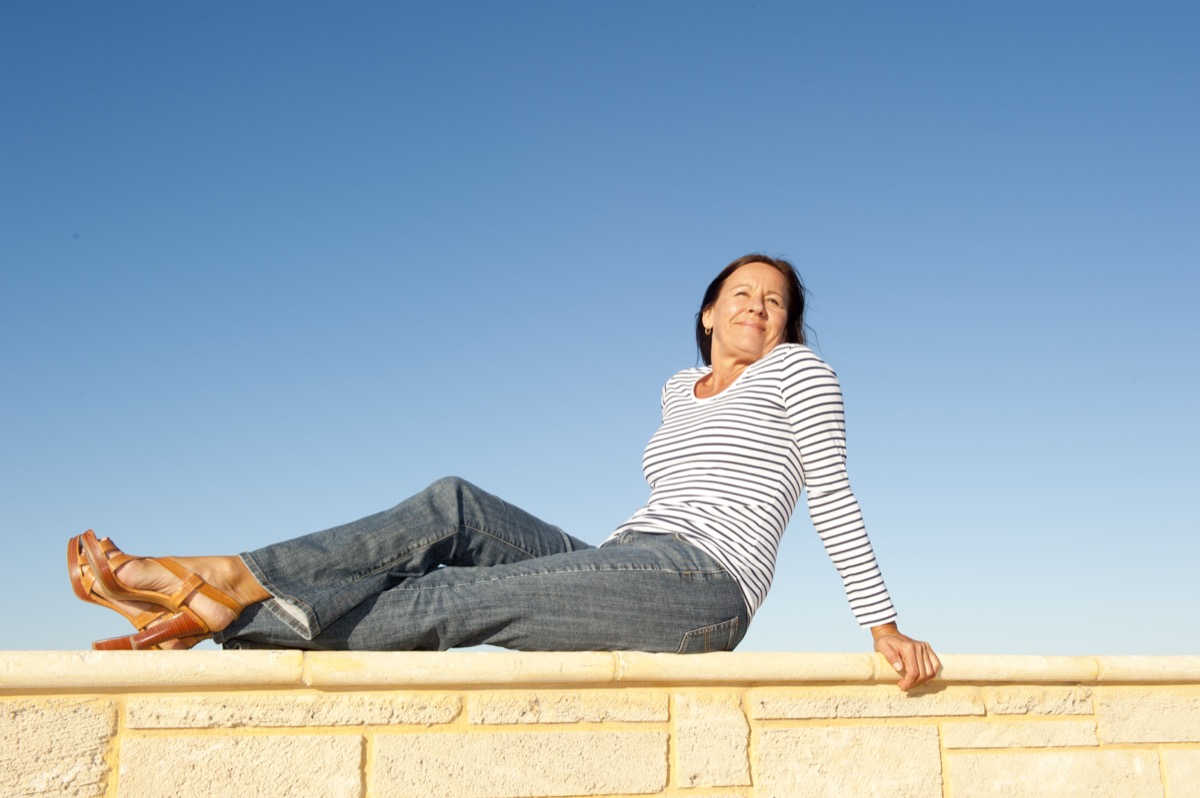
121	671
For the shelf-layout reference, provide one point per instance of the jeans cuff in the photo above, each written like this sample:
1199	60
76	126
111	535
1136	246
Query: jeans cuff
293	613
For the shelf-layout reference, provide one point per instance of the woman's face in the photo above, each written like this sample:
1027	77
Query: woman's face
749	318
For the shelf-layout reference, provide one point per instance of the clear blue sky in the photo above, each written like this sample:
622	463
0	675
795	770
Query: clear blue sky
269	267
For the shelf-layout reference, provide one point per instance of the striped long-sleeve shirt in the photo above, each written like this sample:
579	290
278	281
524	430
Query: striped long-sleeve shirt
726	473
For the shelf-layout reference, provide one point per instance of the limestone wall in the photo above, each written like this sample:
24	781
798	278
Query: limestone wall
212	723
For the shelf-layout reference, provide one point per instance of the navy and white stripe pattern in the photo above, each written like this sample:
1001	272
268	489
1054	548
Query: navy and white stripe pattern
726	474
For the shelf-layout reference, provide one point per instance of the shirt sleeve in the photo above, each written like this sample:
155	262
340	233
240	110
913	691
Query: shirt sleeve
813	401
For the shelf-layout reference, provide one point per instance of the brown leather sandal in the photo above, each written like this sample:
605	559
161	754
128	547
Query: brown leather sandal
177	621
82	583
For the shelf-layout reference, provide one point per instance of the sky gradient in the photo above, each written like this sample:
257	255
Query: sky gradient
266	268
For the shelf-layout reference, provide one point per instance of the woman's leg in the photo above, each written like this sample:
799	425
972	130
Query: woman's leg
320	577
644	592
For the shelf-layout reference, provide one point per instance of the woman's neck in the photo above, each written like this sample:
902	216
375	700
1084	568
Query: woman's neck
721	377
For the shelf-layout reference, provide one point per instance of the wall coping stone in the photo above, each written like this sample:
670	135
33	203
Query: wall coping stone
117	671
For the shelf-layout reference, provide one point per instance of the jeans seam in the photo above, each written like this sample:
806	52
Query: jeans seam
564	571
430	542
388	563
493	536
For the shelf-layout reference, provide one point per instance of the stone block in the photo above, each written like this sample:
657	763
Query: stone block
55	746
1010	668
1164	714
1055	774
268	710
519	764
409	669
208	766
1150	669
712	740
875	701
103	671
1035	700
1018	734
573	706
1181	773
860	761
728	667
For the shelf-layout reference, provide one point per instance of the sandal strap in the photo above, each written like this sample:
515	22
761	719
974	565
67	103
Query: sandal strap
194	583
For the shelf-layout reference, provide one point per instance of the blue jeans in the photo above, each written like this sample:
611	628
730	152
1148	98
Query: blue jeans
456	566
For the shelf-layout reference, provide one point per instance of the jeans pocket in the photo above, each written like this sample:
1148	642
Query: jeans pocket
717	637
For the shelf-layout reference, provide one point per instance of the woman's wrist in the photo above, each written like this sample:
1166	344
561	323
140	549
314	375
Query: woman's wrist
884	629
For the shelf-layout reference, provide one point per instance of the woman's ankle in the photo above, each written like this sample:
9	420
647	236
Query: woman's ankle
229	575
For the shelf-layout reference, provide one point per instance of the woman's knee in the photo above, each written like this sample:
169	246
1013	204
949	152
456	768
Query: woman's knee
446	486
449	495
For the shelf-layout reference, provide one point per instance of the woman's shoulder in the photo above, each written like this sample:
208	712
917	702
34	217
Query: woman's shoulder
797	367
694	373
684	379
797	354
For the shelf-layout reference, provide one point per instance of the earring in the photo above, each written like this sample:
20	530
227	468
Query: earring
708	330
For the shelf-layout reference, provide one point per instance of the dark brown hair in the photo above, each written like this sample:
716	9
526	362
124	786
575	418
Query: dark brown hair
794	330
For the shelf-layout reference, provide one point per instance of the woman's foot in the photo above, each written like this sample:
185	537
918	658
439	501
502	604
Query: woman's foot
193	596
151	576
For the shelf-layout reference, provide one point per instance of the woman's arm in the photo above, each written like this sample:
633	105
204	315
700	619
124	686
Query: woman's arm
813	398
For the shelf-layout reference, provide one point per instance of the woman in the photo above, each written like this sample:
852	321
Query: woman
740	440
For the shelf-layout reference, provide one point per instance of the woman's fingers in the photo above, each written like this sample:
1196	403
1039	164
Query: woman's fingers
914	660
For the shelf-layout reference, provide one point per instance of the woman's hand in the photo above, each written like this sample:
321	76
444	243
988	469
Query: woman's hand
914	660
